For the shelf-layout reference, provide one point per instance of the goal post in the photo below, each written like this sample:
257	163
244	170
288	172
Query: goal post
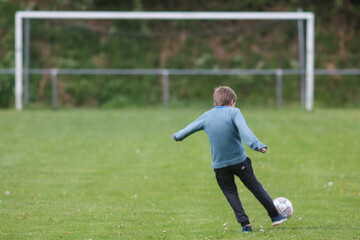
307	16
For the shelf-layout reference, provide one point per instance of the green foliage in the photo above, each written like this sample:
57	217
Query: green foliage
144	44
90	174
335	91
7	56
6	91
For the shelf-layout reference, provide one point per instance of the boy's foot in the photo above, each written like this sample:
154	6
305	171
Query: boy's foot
278	219
247	228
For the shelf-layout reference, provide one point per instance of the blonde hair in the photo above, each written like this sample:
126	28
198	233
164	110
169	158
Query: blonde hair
223	96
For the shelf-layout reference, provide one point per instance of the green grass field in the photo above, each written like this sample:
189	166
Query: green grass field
92	174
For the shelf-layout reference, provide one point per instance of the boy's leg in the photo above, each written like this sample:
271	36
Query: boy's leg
245	172
225	179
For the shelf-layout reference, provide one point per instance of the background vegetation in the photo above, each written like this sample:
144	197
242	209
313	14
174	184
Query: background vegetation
181	44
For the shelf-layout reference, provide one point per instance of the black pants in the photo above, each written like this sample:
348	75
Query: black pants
226	181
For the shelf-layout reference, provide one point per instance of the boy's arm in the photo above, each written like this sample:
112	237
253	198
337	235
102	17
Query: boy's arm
195	126
247	135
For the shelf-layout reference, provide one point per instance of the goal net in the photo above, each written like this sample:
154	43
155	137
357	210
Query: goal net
147	40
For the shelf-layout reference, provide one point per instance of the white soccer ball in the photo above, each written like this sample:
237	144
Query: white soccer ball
284	206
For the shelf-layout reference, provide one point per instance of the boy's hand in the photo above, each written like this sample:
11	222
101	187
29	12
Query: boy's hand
263	150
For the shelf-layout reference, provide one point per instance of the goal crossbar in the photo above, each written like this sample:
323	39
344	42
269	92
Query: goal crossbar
306	16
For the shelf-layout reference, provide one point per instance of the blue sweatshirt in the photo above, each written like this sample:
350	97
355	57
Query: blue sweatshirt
226	128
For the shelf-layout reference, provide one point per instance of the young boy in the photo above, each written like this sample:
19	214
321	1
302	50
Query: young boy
226	129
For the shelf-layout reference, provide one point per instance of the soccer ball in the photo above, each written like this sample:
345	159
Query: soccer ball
284	206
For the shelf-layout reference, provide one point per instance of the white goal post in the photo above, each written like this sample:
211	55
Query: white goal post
307	16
